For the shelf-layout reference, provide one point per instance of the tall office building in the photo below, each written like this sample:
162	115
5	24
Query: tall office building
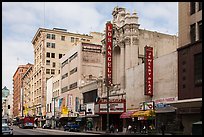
189	64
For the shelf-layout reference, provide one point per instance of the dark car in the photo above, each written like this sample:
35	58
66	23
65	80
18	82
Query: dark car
6	130
47	126
71	126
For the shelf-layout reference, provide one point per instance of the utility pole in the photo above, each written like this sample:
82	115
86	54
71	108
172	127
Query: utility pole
107	128
54	113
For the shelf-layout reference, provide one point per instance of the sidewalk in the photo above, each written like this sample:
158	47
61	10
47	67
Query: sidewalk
123	133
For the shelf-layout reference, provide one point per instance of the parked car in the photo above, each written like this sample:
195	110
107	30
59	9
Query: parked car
6	130
71	126
47	126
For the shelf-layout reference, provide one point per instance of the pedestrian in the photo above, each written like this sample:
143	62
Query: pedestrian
181	126
129	128
112	128
116	128
163	128
135	129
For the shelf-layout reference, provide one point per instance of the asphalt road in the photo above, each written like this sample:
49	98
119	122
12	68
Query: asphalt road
40	131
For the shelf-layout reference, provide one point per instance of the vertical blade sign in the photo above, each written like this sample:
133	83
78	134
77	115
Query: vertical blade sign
149	71
109	46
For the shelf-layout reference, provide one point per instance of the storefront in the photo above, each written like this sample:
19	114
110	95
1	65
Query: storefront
117	107
144	118
127	119
188	112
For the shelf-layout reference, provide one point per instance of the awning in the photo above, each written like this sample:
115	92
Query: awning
186	103
147	113
127	114
166	109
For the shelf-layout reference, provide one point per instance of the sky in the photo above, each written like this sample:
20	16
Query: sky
21	20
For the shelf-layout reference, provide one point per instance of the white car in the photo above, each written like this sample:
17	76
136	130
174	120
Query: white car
6	130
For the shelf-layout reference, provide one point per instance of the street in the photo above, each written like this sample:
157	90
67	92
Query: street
40	131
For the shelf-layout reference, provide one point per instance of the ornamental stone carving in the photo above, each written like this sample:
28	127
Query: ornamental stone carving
127	40
135	41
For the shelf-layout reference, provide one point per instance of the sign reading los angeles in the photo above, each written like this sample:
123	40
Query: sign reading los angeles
149	71
109	48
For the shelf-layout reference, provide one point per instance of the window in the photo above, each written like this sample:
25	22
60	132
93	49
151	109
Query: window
199	6
60	56
198	69
72	86
73	56
53	36
65	75
192	7
192	33
200	30
47	71
64	63
53	45
64	89
72	39
53	55
77	39
47	107
73	70
48	44
52	71
63	38
47	62
50	107
48	36
48	55
53	64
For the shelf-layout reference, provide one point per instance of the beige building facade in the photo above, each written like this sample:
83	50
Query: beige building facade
79	66
49	46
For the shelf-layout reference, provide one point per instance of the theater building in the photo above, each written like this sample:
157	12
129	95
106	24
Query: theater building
128	58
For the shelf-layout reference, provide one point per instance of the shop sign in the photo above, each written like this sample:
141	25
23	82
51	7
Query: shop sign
147	105
82	113
142	118
82	107
113	108
165	100
109	46
64	110
104	101
149	71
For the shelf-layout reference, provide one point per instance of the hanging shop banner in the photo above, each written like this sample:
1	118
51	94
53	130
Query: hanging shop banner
109	46
69	101
148	71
